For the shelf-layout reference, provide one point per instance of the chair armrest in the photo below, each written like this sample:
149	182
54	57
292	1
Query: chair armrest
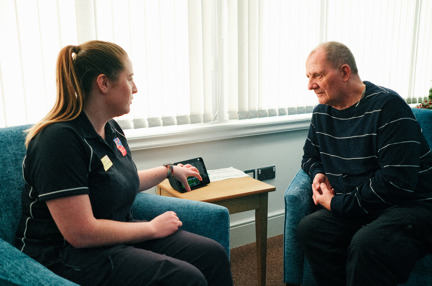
421	274
16	268
298	203
201	218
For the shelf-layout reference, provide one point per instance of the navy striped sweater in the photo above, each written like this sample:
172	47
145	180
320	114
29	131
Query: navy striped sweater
373	153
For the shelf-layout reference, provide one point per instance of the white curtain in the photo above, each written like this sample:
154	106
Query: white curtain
391	40
267	44
31	34
202	61
269	40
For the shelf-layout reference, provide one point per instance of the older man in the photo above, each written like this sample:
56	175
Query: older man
372	178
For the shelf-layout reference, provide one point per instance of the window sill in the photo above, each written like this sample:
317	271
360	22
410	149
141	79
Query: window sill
157	137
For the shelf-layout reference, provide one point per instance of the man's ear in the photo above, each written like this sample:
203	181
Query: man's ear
346	72
102	83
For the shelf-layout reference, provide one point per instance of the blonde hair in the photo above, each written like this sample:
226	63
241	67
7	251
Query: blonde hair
76	70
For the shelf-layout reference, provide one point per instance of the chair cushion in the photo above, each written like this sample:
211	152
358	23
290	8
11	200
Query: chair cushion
424	118
16	268
12	152
201	218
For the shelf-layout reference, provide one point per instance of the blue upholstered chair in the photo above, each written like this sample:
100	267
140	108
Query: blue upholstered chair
298	203
17	268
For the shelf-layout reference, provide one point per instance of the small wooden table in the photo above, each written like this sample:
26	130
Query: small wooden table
237	195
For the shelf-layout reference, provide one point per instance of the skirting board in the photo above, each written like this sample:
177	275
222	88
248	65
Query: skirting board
243	232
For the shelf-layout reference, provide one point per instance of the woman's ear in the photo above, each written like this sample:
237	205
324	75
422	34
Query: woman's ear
102	83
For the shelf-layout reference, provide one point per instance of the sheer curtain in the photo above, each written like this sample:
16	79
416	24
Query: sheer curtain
267	43
31	34
170	45
203	61
391	41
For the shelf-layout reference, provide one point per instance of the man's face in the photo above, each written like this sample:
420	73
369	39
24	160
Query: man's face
324	80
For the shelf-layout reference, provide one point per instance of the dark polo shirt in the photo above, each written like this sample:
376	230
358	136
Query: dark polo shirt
67	159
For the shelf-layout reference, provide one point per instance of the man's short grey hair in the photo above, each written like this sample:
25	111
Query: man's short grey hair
338	54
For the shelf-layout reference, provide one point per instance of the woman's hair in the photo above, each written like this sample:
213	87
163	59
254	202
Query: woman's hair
338	54
76	70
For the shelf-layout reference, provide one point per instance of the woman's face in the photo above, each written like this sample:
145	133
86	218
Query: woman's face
122	91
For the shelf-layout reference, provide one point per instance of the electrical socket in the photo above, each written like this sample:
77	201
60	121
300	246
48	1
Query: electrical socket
266	173
250	173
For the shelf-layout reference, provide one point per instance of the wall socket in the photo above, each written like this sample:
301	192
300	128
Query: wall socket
266	173
250	173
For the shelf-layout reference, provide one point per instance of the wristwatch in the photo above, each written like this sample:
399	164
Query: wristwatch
170	169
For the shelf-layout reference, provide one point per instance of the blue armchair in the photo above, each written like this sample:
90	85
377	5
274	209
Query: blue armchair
16	268
298	203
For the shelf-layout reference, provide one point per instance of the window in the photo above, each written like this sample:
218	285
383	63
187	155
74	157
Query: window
212	61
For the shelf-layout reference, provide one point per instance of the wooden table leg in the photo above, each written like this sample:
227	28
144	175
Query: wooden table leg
261	238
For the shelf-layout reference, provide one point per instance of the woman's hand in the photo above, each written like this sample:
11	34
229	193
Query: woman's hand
75	220
182	172
151	177
165	224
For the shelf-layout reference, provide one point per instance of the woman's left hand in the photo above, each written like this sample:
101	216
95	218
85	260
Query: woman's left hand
182	172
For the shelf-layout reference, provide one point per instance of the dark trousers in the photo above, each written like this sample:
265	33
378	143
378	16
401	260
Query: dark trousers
180	259
380	250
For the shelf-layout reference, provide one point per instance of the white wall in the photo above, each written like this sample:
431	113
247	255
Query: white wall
284	150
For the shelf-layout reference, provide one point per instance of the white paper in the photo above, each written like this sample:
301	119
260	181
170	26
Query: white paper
225	173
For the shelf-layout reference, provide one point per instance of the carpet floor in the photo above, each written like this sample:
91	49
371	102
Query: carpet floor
244	265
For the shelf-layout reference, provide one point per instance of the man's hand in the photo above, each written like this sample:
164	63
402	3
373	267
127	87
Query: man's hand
322	191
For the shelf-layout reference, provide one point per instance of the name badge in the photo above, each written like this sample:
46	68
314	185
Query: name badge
106	162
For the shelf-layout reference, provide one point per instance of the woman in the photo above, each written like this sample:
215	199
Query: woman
81	182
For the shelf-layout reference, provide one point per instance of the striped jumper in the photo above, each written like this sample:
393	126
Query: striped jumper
373	153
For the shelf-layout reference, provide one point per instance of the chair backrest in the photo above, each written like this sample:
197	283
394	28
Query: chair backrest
12	151
424	118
